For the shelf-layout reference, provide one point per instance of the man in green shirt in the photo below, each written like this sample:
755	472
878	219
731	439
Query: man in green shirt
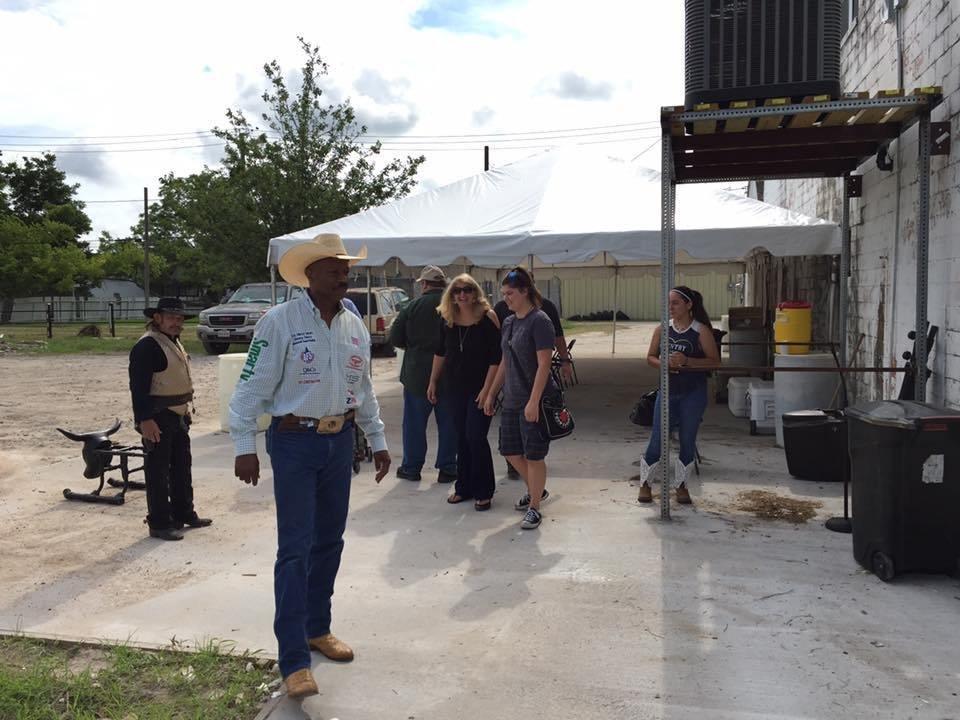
418	330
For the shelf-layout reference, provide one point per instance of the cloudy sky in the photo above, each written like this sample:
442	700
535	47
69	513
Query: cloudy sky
124	91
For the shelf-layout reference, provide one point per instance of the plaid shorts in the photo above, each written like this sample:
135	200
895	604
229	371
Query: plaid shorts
519	437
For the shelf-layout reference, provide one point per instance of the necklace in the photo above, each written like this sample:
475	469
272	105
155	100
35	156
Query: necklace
462	332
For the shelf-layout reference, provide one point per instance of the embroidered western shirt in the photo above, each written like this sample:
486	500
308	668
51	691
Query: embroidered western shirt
298	365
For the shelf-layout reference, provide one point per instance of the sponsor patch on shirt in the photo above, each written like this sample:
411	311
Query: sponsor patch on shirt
355	362
301	338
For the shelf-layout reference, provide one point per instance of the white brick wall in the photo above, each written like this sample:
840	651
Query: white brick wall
883	282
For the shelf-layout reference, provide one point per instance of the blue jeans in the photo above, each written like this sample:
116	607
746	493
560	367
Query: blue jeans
311	484
686	412
416	413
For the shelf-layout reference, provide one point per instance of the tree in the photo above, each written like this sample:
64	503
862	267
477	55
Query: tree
40	222
36	190
40	259
123	258
304	166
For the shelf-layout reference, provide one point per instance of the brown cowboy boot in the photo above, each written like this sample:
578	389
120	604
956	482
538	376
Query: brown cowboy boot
301	684
683	472
646	471
332	647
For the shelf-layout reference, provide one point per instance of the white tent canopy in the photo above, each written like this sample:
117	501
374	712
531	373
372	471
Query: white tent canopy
568	207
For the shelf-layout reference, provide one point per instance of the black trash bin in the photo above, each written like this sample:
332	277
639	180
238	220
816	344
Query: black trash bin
815	443
905	474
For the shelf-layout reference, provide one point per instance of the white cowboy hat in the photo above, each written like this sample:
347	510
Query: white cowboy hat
294	262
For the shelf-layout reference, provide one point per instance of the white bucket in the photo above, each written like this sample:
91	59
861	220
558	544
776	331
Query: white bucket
228	374
803	391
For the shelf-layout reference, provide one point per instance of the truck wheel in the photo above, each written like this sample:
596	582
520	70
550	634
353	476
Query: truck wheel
215	348
882	565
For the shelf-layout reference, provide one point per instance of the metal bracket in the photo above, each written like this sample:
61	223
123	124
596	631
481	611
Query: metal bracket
939	138
855	186
884	161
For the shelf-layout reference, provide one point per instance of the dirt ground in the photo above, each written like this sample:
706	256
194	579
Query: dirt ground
46	538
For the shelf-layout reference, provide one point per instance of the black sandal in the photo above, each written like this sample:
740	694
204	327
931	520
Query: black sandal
482	505
455	499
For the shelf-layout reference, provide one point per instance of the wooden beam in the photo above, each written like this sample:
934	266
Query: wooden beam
771	122
734	125
807	119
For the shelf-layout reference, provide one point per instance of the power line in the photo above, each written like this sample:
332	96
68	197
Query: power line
418	140
122	150
199	133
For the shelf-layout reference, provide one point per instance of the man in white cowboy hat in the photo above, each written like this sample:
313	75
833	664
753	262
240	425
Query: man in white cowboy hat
417	330
307	367
162	392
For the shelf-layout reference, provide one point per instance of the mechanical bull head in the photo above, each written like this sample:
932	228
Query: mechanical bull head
96	448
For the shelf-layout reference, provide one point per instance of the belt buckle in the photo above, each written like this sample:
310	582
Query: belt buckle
330	424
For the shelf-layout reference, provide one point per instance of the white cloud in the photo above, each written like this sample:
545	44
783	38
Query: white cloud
115	67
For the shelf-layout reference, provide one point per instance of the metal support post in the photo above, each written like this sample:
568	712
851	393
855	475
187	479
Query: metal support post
616	306
49	320
273	284
668	190
923	257
113	322
844	284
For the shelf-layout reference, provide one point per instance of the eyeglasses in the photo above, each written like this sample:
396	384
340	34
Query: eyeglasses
462	290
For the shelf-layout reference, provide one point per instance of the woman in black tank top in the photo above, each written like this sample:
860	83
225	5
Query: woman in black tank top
692	345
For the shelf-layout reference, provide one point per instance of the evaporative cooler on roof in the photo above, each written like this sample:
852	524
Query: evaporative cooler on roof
758	49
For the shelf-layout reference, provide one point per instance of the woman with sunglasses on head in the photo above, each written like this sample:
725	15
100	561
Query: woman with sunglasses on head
692	345
467	358
527	343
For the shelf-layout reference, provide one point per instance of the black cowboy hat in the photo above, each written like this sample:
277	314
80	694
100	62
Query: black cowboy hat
171	305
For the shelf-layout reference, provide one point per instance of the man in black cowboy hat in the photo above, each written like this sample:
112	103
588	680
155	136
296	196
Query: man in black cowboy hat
162	391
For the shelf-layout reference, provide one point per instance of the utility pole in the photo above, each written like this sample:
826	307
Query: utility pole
146	250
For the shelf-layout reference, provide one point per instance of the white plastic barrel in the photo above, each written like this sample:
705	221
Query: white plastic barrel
803	391
228	373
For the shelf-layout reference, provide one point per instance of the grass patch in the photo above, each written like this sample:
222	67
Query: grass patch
51	680
770	506
32	338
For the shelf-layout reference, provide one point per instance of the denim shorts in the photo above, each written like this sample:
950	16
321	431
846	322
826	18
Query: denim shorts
519	437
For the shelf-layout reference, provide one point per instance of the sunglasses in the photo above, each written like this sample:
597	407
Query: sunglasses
462	291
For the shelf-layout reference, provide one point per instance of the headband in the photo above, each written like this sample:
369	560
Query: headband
681	293
518	276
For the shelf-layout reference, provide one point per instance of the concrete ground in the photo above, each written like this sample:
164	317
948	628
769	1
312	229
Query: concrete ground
604	612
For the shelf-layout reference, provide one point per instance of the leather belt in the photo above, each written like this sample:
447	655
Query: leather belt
325	426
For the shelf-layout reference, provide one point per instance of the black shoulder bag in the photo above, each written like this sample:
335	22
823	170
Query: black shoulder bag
556	418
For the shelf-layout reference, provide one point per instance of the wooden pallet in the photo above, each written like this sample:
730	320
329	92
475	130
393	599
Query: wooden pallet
810	119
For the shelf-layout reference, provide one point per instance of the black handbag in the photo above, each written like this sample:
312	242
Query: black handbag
642	413
556	418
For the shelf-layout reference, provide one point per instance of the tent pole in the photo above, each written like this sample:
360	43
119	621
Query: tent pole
273	284
668	191
616	307
369	303
923	257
